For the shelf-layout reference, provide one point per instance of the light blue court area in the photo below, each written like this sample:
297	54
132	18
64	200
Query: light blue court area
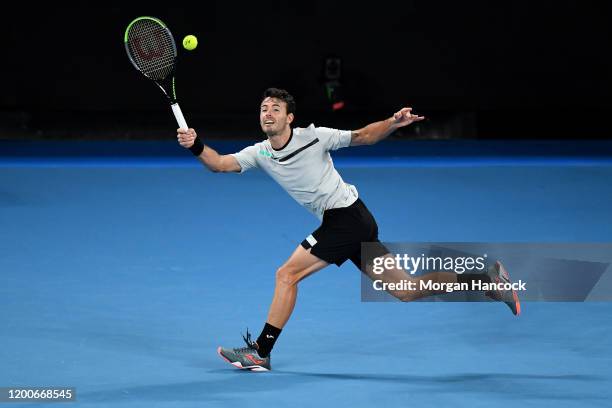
121	274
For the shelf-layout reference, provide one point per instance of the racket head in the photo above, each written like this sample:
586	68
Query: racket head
151	48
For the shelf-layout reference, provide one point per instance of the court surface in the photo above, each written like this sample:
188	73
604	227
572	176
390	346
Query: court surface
121	277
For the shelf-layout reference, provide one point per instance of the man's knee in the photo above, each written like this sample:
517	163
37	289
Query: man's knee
406	295
287	275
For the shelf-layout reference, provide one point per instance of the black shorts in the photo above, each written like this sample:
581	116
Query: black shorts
340	235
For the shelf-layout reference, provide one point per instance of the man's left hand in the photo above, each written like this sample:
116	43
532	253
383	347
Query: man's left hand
404	117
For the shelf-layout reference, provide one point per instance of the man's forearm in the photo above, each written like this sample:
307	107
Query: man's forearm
189	139
377	131
210	158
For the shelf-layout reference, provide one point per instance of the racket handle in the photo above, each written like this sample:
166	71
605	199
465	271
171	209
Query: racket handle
180	119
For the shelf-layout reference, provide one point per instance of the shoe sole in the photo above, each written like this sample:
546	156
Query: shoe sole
517	303
239	365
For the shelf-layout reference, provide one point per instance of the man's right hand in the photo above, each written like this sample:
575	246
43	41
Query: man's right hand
186	137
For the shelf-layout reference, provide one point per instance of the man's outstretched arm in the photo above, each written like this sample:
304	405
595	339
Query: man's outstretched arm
377	131
209	157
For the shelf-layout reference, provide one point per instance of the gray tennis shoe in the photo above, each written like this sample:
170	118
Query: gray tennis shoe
245	358
499	274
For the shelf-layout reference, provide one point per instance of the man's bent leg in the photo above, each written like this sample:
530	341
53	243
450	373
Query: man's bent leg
256	356
299	265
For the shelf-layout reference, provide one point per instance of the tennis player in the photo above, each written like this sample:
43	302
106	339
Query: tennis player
299	160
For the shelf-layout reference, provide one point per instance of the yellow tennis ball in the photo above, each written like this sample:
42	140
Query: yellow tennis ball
190	42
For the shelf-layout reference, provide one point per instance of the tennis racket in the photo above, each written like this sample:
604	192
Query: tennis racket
152	50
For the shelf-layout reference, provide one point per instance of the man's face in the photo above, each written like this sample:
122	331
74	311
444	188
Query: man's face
273	116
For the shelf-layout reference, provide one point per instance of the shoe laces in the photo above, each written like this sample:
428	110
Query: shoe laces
251	345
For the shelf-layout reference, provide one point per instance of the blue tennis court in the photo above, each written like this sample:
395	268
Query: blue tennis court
122	274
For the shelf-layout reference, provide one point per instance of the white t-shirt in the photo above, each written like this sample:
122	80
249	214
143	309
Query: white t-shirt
304	167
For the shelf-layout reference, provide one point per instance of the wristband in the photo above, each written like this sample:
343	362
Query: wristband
197	148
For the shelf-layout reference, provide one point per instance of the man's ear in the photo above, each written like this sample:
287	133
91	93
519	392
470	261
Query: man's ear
290	118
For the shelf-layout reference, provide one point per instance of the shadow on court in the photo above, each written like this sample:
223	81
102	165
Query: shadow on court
231	384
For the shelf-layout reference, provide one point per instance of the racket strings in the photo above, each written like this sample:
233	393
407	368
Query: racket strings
152	49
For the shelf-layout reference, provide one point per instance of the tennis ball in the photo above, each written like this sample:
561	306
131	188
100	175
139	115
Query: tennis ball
190	42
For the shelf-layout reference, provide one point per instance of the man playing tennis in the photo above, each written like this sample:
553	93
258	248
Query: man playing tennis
299	160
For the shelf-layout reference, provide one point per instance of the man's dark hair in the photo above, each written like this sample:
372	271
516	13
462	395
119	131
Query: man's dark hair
283	96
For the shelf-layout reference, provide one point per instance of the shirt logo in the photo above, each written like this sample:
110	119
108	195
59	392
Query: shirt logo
264	153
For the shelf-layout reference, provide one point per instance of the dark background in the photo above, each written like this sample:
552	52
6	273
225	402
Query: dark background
524	70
